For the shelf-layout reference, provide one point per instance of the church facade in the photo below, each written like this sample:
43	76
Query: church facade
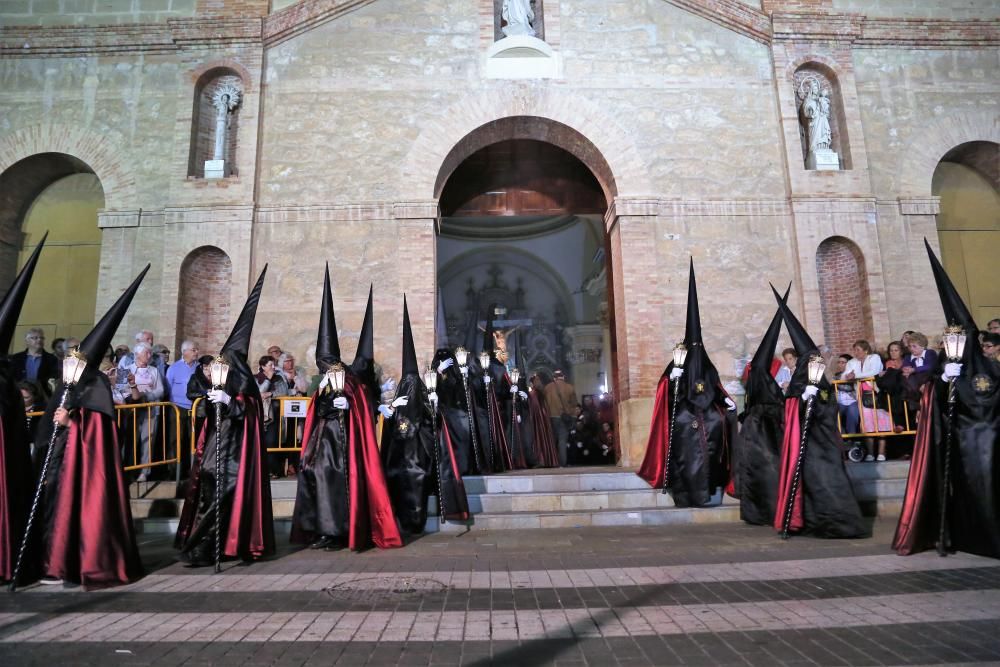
811	141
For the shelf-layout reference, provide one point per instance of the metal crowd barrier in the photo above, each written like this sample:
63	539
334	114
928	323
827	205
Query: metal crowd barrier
872	419
291	410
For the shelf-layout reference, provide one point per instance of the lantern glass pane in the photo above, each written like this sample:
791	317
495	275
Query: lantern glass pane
484	360
461	356
430	380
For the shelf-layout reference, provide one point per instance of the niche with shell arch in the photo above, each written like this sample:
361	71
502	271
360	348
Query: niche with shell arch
825	80
537	6
220	86
203	298
845	300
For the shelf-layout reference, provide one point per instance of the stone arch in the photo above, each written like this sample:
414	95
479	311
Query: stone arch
845	298
205	281
918	160
515	112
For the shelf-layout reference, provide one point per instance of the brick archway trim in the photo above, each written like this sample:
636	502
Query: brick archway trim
102	152
917	162
434	148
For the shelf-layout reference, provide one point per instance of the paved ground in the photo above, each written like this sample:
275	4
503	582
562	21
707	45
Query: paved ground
694	595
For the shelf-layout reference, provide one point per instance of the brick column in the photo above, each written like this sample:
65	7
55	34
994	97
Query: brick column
417	224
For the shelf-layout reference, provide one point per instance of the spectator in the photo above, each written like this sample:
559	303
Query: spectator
121	351
784	376
272	386
274	352
59	348
34	401
70	343
111	371
144	336
146	386
560	398
179	375
847	404
920	362
298	383
993	326
866	364
163	352
35	364
991	346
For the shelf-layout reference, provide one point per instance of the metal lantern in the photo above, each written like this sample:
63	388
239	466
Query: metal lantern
817	369
680	355
219	371
431	380
461	356
515	375
954	343
73	366
484	360
336	376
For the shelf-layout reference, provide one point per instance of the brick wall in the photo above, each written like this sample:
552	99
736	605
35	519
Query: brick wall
796	5
203	307
844	296
92	12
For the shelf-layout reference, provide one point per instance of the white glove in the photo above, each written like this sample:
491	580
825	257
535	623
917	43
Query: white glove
810	392
384	410
519	419
513	389
402	400
676	373
487	379
952	371
388	385
445	365
523	395
219	396
341	403
432	397
731	404
325	382
464	370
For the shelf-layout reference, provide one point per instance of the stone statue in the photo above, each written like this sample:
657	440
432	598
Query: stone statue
225	100
518	15
816	115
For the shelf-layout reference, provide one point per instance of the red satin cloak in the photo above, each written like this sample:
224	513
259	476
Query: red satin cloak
653	463
789	457
498	432
915	530
541	425
371	516
92	540
456	475
15	496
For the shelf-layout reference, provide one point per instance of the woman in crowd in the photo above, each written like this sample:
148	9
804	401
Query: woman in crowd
866	364
272	386
917	368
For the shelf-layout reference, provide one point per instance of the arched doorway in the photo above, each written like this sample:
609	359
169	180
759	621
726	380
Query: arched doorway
845	300
204	291
522	203
967	179
58	193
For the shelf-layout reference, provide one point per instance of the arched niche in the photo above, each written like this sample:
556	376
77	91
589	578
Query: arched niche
203	304
204	121
828	85
845	299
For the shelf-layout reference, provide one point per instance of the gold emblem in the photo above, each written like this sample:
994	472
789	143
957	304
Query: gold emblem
694	425
403	426
982	384
699	387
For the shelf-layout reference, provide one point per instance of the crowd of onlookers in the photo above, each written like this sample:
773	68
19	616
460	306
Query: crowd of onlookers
888	382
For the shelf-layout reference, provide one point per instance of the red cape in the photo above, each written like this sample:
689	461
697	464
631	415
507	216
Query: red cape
459	484
92	540
371	516
541	424
789	457
498	434
915	530
652	467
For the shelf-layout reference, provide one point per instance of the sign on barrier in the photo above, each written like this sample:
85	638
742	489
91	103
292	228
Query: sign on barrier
295	408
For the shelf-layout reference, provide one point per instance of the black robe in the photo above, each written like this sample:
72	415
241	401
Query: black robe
520	433
16	487
408	455
758	448
453	404
825	505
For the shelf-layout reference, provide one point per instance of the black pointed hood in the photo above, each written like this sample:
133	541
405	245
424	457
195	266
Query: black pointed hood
761	386
956	313
366	339
236	349
440	324
96	343
801	340
327	343
10	305
700	381
410	366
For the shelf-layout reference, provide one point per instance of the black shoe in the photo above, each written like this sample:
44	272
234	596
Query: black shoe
323	542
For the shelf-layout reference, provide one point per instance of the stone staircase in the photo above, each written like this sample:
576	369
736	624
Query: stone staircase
538	499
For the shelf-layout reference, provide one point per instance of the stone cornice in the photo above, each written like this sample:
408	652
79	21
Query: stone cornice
210	32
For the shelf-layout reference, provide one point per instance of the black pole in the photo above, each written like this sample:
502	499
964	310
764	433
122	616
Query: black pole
790	506
347	464
670	435
472	423
487	388
218	486
946	481
437	462
38	494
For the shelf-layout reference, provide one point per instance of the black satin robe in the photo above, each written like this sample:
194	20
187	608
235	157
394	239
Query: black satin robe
322	493
470	457
757	449
16	477
520	433
408	456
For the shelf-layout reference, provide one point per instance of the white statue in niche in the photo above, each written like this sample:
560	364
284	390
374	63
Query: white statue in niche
815	111
519	16
226	99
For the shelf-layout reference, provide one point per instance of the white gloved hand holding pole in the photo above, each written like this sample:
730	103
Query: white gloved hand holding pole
731	404
810	392
402	400
676	373
386	411
219	396
952	371
341	403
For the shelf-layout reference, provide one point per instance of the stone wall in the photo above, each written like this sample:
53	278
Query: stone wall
92	12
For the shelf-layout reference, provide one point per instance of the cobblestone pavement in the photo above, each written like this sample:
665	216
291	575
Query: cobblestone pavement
679	595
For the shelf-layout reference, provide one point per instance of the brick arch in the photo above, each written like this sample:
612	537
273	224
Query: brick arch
845	298
917	162
571	122
205	282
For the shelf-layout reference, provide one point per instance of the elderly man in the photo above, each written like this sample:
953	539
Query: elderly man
35	364
178	375
146	386
144	336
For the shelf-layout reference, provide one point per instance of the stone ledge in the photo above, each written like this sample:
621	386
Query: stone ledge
920	206
325	213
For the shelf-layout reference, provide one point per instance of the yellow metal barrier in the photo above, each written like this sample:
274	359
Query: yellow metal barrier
869	416
298	421
156	416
